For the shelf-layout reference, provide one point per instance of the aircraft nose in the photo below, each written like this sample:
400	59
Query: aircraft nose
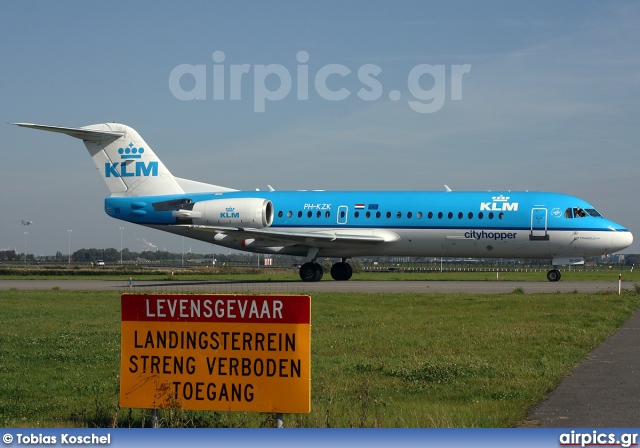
621	240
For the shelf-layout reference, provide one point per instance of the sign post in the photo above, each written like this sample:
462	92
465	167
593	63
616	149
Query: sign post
245	353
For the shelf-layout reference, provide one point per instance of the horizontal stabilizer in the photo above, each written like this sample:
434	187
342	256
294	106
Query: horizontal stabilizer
86	134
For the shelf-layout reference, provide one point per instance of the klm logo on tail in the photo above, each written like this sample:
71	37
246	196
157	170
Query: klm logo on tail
119	169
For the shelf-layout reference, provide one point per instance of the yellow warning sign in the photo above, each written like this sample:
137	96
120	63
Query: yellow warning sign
216	352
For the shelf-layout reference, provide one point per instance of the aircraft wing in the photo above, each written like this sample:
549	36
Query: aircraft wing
288	238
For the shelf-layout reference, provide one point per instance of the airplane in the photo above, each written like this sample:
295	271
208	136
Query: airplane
344	224
26	223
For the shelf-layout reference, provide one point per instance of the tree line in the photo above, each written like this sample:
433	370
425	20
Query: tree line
113	255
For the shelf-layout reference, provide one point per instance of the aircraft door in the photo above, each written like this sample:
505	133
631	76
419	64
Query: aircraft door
539	231
343	212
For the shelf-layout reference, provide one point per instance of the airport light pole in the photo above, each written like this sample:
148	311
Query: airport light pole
121	229
69	260
25	223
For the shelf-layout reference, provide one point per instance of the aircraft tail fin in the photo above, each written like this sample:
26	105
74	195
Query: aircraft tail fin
127	164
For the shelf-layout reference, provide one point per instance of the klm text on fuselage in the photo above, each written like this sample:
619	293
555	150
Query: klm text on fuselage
499	204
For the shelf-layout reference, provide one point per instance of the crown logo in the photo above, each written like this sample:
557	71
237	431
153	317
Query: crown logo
230	209
130	152
500	198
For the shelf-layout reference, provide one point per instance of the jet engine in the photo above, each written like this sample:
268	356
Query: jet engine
252	213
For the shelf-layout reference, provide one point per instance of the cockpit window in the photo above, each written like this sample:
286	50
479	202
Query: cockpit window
577	212
593	212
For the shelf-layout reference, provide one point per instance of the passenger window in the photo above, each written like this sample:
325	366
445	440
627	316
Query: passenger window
409	215
459	215
299	214
280	214
356	214
309	214
490	215
368	214
378	214
449	215
388	214
289	214
318	213
440	215
470	215
419	215
327	214
430	215
501	215
399	215
480	215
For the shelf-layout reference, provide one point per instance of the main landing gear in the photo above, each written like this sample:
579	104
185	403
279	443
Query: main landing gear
341	271
553	275
313	272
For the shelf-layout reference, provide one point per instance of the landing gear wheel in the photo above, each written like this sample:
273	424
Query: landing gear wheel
341	271
311	272
319	272
553	275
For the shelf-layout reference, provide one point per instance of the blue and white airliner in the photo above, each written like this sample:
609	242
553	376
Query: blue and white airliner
344	224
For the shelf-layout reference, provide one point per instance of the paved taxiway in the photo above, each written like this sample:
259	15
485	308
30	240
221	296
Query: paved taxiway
603	391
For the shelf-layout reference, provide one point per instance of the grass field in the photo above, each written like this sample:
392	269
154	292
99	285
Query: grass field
378	360
587	274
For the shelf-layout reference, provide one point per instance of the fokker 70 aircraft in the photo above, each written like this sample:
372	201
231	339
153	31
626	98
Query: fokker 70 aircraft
344	224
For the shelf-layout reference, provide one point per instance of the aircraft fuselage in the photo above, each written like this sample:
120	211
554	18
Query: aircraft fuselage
451	224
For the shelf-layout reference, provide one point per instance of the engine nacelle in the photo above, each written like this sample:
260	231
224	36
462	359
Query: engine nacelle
253	213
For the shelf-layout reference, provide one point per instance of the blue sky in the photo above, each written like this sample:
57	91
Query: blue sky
549	101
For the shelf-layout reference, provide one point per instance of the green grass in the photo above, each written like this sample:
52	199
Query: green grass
58	353
378	360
